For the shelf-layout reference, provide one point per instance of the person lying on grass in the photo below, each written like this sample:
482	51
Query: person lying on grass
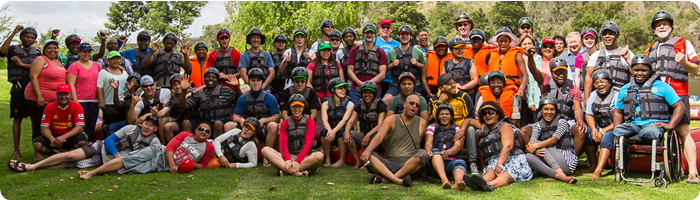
237	147
184	149
296	138
442	149
127	139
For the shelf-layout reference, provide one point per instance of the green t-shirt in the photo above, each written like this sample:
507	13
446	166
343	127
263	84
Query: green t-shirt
64	59
417	54
394	103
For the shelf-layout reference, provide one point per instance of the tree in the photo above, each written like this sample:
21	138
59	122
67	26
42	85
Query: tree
507	14
124	17
209	35
403	12
171	16
440	18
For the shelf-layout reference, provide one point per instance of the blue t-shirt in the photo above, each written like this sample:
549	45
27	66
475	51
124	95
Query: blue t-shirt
130	53
245	58
386	46
269	101
658	88
591	99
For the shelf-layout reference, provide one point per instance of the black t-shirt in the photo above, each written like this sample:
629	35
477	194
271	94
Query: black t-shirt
381	107
312	100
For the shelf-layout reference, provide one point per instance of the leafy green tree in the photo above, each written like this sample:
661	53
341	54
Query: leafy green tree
507	14
209	35
400	13
440	19
124	17
171	16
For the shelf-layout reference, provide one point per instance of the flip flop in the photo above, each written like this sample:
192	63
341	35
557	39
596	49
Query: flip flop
18	168
16	155
481	183
305	173
266	164
375	179
572	181
280	173
407	181
468	181
9	166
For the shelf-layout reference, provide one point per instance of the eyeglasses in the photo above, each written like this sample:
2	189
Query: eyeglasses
462	25
329	26
335	40
488	112
147	86
386	27
548	46
600	82
207	131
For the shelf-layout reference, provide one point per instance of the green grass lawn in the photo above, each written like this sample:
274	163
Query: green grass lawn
260	183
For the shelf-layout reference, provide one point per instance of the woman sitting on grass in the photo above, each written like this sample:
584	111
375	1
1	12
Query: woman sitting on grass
505	160
184	149
370	113
237	147
334	116
442	149
296	138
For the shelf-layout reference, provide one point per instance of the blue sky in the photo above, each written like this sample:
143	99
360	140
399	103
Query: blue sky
87	17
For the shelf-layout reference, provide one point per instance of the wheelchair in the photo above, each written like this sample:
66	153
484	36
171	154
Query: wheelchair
667	147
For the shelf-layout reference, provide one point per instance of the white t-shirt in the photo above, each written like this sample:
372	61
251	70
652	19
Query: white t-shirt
164	98
594	57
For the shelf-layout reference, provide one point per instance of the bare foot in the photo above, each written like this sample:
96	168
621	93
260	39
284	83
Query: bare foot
363	168
589	169
357	166
16	155
327	164
550	179
446	185
596	174
338	164
459	185
84	175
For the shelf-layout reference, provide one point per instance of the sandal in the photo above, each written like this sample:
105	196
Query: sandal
375	179
280	173
16	155
305	173
468	181
572	181
693	179
407	181
481	183
17	168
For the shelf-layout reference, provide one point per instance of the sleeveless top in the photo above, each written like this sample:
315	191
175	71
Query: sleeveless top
50	77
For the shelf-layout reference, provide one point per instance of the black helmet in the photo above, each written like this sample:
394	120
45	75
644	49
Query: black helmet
456	41
641	59
503	29
369	26
200	44
445	106
297	97
369	85
302	30
212	70
153	119
439	39
300	72
222	31
135	75
556	62
72	37
28	30
279	36
326	22
477	32
144	35
171	36
661	15
600	74
405	27
525	20
610	25
256	72
176	75
496	73
548	100
484	80
252	121
349	30
336	82
462	15
336	33
255	31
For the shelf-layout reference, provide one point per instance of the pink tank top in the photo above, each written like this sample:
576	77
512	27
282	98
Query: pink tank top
50	77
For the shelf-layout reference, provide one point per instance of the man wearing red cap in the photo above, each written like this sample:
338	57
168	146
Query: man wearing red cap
61	124
386	43
225	58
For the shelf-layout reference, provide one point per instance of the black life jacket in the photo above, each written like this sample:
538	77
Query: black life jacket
136	66
164	66
15	73
613	63
663	59
344	60
130	142
307	90
602	112
258	61
565	103
296	133
650	105
224	63
490	142
369	117
232	148
147	104
584	69
405	64
324	73
296	62
211	107
443	139
335	113
278	82
256	107
366	61
566	142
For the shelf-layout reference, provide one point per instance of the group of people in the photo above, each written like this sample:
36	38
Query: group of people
513	104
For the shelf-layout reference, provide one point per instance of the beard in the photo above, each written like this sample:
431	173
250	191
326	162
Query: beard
662	33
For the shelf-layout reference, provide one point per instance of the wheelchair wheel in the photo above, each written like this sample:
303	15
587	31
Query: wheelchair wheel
672	157
660	182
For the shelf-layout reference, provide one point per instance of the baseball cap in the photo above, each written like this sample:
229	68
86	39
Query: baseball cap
63	88
444	78
548	40
85	47
589	33
114	54
146	79
407	75
324	46
384	21
186	166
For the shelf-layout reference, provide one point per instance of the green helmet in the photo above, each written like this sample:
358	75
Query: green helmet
300	72
336	82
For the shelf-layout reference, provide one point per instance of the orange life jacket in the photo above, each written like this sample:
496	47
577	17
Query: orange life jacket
197	76
480	59
507	65
435	67
505	100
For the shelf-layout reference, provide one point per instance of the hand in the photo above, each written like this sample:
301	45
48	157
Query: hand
131	84
530	50
155	45
223	161
134	99
665	126
459	135
680	57
295	167
18	28
184	48
102	105
430	154
287	59
101	35
139	120
365	156
307	55
499	169
520	93
532	107
57	142
185	83
330	136
581	127
40	101
365	141
444	154
540	152
118	155
531	148
154	111
173	169
625	53
115	85
232	79
288	164
17	60
123	38
54	33
414	61
395	63
594	134
443	98
346	137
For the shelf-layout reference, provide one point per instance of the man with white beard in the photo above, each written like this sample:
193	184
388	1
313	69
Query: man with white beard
673	57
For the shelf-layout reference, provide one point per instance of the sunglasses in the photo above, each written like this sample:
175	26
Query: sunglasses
224	38
207	131
559	72
300	81
147	86
462	25
386	27
413	103
335	40
548	46
488	112
329	26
